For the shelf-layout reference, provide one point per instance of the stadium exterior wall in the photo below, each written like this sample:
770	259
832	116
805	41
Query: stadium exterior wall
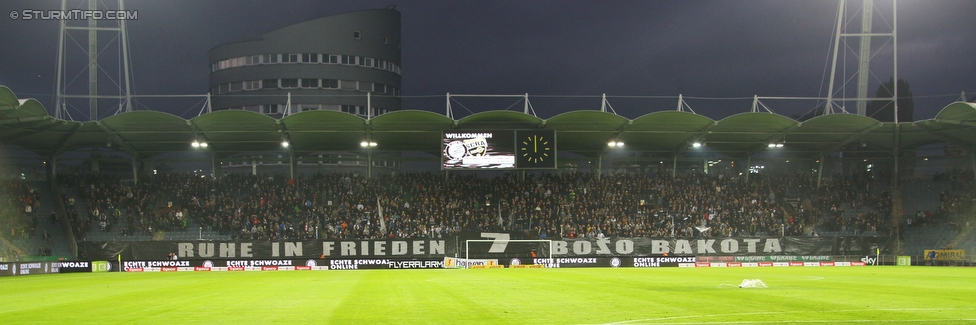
347	55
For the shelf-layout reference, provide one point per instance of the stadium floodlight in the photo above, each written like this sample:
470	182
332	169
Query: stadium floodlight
285	144
195	144
615	144
203	145
697	144
364	144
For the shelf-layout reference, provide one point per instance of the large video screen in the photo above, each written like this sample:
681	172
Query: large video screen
478	149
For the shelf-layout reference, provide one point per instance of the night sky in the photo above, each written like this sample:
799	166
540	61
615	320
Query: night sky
719	53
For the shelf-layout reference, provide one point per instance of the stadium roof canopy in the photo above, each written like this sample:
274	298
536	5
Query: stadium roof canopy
26	123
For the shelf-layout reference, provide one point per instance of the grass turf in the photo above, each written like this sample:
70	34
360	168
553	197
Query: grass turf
809	295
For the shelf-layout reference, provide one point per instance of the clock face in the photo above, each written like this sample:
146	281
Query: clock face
536	148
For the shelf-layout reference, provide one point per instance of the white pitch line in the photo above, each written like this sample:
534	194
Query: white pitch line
645	320
836	321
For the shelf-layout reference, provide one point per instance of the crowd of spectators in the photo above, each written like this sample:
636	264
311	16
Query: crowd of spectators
108	203
871	212
569	205
957	197
19	206
19	209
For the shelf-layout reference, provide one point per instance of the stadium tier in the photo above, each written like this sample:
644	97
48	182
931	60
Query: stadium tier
661	176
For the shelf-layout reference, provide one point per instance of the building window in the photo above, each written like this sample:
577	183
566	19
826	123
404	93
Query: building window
236	86
330	83
271	109
333	59
349	109
222	89
357	35
269	84
252	85
379	88
310	58
364	86
310	83
307	107
348	59
271	58
289	83
368	62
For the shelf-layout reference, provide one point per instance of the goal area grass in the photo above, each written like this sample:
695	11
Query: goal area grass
807	295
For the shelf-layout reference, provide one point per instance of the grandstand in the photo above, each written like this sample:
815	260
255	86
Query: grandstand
755	175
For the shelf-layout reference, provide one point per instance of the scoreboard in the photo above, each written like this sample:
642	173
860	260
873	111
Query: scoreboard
498	149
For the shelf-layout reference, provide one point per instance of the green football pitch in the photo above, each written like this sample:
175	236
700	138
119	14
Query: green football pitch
807	295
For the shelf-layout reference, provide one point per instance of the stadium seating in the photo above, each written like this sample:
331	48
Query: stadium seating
33	233
571	204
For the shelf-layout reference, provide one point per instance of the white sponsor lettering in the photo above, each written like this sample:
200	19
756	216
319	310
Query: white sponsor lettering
72	264
467	135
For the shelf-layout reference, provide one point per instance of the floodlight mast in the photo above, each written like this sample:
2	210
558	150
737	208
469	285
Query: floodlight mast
124	87
864	57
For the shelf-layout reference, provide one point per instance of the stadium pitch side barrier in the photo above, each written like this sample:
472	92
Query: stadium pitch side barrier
492	245
279	264
232	265
34	268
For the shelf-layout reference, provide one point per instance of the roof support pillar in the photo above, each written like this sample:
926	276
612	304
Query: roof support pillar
135	170
599	165
291	164
972	160
52	169
820	170
674	166
896	194
369	163
215	166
